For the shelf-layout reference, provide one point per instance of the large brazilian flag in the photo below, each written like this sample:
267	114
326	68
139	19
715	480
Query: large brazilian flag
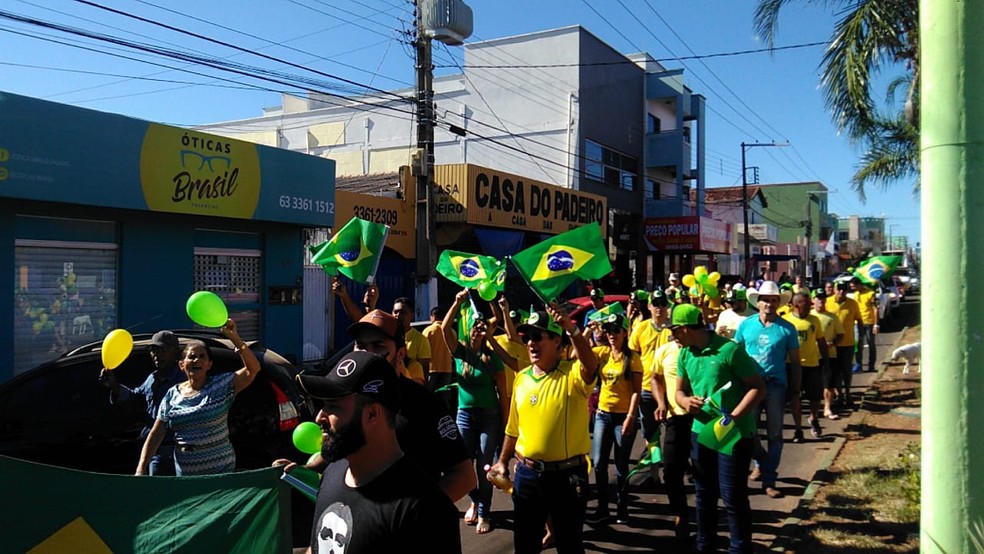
56	510
552	265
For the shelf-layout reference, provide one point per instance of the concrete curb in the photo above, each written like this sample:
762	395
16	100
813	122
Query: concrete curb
784	541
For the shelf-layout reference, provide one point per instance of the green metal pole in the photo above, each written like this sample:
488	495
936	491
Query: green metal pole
952	144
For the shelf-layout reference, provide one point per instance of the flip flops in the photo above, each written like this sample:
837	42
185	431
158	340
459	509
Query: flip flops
831	416
471	516
484	526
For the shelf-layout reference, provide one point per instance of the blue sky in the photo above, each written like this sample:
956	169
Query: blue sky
758	97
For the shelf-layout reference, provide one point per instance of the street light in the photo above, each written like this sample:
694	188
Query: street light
744	198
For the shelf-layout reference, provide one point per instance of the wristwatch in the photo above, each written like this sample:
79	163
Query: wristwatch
575	333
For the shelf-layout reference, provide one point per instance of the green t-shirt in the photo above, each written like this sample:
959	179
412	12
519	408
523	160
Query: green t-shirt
476	379
708	370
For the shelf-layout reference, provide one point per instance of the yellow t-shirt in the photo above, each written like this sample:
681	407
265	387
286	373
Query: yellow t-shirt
665	364
548	415
868	303
418	348
645	339
616	390
415	371
440	359
807	328
516	350
830	327
848	313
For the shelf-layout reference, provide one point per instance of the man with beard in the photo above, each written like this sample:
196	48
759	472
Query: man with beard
426	430
164	352
372	498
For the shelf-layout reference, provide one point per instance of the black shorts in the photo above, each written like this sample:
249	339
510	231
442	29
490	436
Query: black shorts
813	383
831	375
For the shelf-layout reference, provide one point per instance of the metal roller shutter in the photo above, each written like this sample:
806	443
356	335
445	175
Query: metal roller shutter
234	275
65	296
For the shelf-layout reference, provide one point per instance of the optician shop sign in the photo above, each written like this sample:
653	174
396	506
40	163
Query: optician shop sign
688	234
473	194
61	153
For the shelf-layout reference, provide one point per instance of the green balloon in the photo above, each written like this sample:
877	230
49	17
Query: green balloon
307	437
207	309
486	291
711	291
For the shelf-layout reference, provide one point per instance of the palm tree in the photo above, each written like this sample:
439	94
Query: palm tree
871	35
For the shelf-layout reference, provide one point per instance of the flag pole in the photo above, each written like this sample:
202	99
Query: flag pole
375	266
523	275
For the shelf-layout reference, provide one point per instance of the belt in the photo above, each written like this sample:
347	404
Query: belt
540	466
193	447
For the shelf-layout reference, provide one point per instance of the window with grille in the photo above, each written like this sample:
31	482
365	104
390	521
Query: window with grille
234	275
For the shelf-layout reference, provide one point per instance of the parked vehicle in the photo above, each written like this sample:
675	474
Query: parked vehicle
909	278
578	307
59	413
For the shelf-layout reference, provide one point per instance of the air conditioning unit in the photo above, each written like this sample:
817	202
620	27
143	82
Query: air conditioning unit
448	21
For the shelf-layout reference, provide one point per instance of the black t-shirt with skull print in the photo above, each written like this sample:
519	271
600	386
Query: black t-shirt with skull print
400	508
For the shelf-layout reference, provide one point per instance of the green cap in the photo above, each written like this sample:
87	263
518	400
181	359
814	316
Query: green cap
542	321
615	319
686	314
639	295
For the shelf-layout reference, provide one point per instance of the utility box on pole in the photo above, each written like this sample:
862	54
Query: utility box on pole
447	21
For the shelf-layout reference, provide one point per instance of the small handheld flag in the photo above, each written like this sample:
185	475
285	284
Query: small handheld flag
471	270
872	270
354	251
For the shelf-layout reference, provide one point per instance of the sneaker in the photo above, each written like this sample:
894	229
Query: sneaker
772	492
815	429
755	475
798	436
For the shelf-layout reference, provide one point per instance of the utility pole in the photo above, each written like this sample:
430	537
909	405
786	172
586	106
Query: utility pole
426	227
744	202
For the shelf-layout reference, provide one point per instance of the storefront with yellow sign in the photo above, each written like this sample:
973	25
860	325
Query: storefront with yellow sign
112	222
488	211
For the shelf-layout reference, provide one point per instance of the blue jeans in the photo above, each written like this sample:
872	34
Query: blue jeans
774	406
718	475
163	462
866	335
561	495
608	432
480	428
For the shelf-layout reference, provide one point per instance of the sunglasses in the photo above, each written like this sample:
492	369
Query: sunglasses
535	336
612	329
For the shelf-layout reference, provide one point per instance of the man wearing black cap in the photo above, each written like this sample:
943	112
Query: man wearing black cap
164	352
426	430
547	432
372	498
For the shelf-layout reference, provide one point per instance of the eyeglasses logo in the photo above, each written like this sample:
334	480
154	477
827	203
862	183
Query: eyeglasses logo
182	171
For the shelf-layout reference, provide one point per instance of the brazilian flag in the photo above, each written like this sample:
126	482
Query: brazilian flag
602	314
719	436
354	251
470	270
551	266
872	270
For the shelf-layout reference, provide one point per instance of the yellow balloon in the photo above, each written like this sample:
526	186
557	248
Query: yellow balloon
116	347
700	272
689	281
713	278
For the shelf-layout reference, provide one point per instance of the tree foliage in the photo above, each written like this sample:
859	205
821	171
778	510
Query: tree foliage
869	37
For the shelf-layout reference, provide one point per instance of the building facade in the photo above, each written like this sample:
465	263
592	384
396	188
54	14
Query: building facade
558	107
111	222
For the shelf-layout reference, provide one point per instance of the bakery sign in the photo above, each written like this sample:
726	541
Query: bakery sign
688	234
473	194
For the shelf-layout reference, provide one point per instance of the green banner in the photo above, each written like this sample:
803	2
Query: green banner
52	509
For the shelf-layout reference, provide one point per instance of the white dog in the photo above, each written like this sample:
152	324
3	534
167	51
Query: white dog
910	352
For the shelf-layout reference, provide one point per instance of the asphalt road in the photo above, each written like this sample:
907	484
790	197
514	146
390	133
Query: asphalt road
650	525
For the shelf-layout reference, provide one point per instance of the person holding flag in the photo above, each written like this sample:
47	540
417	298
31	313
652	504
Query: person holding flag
547	432
714	370
482	399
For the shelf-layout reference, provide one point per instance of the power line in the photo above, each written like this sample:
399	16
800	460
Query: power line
630	62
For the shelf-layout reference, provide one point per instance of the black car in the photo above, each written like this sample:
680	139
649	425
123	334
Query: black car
60	414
